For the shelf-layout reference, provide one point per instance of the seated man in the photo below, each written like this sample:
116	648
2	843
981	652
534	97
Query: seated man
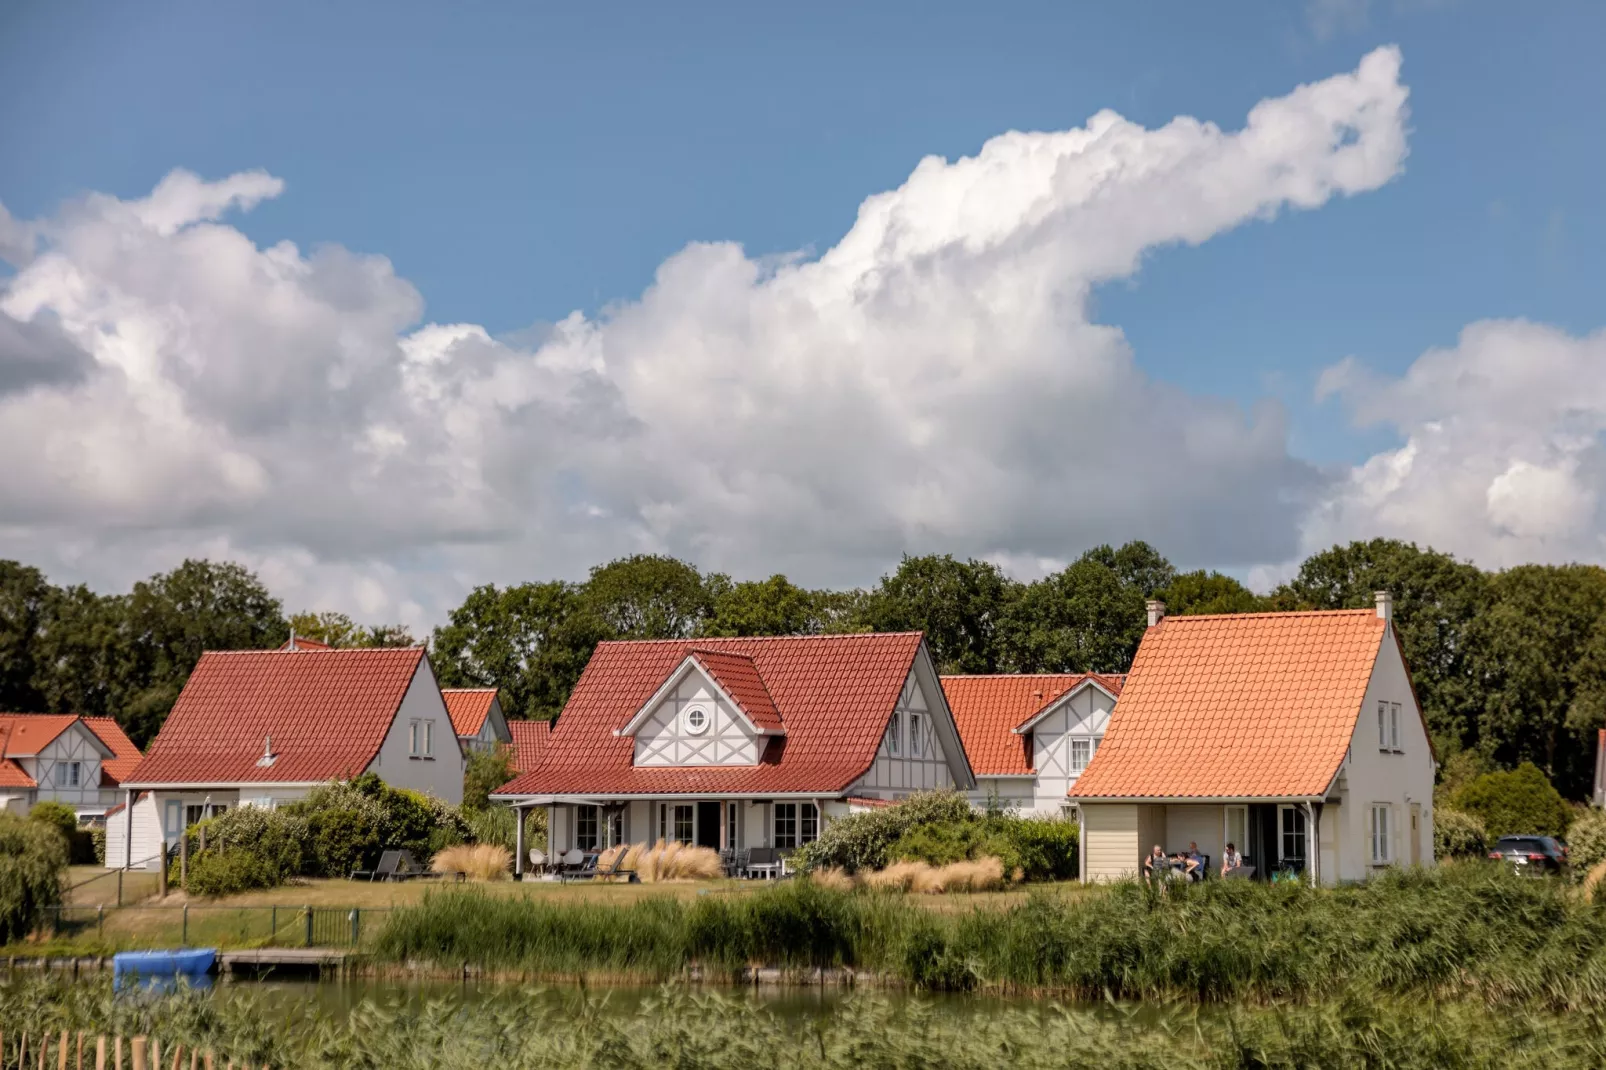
1193	863
1157	867
1231	861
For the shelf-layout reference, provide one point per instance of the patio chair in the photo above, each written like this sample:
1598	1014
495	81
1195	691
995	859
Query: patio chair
409	869
727	862
389	863
763	861
583	871
537	862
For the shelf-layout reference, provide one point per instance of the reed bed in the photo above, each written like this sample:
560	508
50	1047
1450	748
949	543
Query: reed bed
1464	931
662	862
967	875
522	1030
478	861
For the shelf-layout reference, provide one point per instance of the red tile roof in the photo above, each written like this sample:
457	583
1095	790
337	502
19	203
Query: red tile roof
1254	705
33	732
988	709
835	694
468	707
301	642
114	770
529	743
327	712
738	675
12	775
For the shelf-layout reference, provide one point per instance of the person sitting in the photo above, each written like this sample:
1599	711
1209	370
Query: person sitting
1157	867
1193	863
1231	860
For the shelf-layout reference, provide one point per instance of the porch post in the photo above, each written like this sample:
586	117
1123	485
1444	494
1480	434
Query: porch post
1315	845
1081	845
128	829
518	840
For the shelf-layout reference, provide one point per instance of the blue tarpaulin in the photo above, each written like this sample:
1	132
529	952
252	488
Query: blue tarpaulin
164	969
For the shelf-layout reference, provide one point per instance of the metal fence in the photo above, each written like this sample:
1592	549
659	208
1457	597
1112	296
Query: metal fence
222	926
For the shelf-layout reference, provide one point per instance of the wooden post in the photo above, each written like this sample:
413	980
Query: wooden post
61	1057
195	1060
22	1052
100	1053
518	843
178	1053
139	1045
161	871
80	1050
184	860
308	909
119	1050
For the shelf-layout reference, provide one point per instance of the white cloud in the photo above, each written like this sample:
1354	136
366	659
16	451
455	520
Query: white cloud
933	381
1503	458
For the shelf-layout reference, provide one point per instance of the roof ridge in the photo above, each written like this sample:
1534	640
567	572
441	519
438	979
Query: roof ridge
1016	675
1274	613
754	638
463	690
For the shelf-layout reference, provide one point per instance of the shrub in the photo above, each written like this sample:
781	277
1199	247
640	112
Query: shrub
97	841
341	841
487	770
57	815
864	840
479	862
216	873
33	855
1458	835
350	822
1044	848
965	875
1516	802
939	844
1586	841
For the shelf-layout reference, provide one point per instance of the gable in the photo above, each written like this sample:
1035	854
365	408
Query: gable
920	746
694	722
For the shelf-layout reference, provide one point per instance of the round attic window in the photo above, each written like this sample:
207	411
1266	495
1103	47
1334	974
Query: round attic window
696	720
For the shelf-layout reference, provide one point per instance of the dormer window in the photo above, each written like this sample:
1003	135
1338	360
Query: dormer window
696	720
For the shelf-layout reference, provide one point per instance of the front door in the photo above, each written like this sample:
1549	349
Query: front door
708	825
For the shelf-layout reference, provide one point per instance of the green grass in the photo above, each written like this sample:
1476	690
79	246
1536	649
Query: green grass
686	1031
1471	931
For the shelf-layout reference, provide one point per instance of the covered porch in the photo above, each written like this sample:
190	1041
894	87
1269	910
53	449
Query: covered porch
1287	837
732	826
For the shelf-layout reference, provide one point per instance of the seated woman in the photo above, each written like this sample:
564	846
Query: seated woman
1193	863
1157	867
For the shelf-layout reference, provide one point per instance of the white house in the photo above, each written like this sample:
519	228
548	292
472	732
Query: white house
65	758
740	743
1295	736
1028	737
263	727
477	717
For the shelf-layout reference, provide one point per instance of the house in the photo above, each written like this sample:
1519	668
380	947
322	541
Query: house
65	758
264	727
477	717
740	743
1028	737
1295	736
529	743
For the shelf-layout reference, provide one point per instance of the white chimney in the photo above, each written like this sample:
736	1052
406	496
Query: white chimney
1156	612
1385	605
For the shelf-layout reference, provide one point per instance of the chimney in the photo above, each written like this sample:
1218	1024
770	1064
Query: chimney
1156	612
1385	605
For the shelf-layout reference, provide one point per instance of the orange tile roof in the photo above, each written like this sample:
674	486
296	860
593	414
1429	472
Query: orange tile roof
988	709
835	693
301	642
114	770
738	675
12	775
33	732
529	743
468	707
1254	705
327	712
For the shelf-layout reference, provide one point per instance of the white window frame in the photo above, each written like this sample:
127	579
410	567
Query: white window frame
1382	726
429	739
1086	745
691	822
1239	838
892	735
1394	727
584	815
1381	828
412	738
1304	834
916	743
69	774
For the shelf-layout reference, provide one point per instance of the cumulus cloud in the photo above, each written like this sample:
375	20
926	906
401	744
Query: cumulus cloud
933	381
1502	458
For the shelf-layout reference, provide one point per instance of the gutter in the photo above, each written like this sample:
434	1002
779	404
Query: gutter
1183	800
220	785
595	796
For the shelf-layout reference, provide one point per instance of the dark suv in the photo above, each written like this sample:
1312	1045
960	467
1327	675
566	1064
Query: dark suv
1531	854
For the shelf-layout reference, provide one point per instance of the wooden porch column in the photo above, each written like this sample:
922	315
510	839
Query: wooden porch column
518	840
128	829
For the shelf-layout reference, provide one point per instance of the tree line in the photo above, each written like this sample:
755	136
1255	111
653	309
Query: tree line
1510	666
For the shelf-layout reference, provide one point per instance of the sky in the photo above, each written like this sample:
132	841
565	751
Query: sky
390	300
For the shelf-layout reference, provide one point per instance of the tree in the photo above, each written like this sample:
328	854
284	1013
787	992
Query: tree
649	596
1191	593
531	640
1529	648
1517	802
85	653
1083	619
487	770
340	631
958	604
24	594
775	606
1136	564
1436	599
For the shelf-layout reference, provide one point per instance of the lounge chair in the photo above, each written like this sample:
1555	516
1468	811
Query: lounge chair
389	863
763	861
616	868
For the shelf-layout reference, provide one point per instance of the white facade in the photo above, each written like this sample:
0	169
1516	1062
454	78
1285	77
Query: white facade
1063	738
692	722
66	770
912	756
493	731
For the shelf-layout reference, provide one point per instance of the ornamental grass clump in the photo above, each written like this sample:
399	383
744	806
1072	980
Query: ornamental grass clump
477	862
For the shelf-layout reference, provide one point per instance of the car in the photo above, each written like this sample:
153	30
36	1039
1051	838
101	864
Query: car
1531	854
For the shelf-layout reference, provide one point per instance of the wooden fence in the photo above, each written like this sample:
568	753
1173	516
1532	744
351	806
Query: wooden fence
46	1052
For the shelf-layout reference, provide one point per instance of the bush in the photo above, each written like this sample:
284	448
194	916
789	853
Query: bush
864	840
341	841
97	841
60	816
1515	803
33	855
351	822
1044	848
229	872
495	825
1458	835
940	833
1586	841
487	770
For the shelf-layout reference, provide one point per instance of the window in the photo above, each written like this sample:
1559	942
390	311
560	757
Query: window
916	742
413	739
1382	726
1382	852
429	739
796	824
1394	726
685	822
1291	841
892	735
69	774
696	720
585	828
732	827
1081	754
1237	828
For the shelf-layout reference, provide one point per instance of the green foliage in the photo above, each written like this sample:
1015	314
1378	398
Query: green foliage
1039	848
350	822
1083	619
864	840
1191	593
33	859
57	815
342	841
97	840
1137	565
246	847
487	770
940	843
495	825
230	872
1518	802
341	632
1458	835
1043	847
775	606
958	604
649	596
1586	841
24	599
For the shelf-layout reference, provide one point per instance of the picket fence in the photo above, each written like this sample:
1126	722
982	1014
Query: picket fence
46	1052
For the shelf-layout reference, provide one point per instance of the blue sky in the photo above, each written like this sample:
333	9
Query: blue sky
515	163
